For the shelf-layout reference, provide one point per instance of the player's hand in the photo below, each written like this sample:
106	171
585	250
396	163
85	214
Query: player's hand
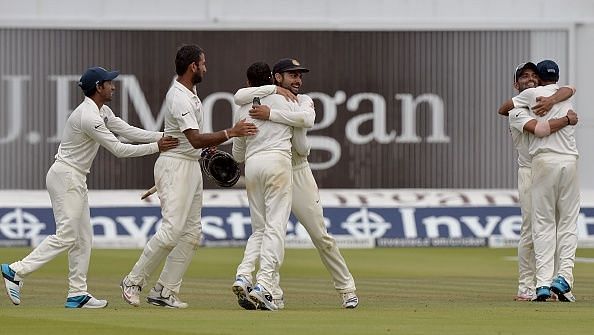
573	117
260	112
287	94
243	128
209	149
543	105
167	142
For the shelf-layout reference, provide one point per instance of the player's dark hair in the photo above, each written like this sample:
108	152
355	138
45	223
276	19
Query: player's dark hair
89	93
186	55
259	74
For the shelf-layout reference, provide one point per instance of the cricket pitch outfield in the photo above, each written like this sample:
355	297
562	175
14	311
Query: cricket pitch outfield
401	291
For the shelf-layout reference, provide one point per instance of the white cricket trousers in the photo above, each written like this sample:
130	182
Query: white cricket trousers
268	177
309	212
68	193
556	206
179	185
307	208
526	261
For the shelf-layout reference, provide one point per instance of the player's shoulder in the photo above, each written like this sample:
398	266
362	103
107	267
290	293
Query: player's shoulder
519	112
106	110
304	98
273	99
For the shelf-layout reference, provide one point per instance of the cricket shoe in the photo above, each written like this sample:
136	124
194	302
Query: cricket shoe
155	298
263	298
85	301
525	295
350	300
562	289
542	293
242	288
130	292
280	303
12	283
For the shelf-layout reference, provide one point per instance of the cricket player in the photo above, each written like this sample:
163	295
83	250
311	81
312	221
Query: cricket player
554	190
288	74
90	125
268	177
522	126
178	179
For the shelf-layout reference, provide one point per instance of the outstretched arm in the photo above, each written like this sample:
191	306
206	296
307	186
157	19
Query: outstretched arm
134	134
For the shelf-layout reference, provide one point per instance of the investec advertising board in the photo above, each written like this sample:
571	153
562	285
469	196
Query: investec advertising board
395	109
357	218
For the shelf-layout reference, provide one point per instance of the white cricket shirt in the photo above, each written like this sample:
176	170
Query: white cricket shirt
86	129
183	111
562	141
300	120
517	118
271	136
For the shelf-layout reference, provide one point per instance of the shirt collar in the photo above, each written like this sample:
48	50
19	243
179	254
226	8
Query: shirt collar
92	103
181	87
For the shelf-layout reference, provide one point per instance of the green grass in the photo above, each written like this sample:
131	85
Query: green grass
402	291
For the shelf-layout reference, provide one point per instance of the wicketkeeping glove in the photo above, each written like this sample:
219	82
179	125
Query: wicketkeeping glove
220	166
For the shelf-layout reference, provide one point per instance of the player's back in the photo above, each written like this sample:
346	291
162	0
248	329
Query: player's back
77	148
271	136
562	141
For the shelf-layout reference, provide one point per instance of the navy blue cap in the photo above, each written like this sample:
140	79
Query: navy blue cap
523	66
288	64
548	70
94	76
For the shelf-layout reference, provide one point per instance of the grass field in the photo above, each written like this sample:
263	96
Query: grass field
402	291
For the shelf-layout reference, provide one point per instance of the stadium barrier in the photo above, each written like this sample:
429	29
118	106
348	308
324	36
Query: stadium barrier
356	218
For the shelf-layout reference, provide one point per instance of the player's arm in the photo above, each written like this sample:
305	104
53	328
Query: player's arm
95	128
507	106
134	134
544	104
300	115
238	150
300	142
521	100
544	128
247	94
187	123
239	145
199	140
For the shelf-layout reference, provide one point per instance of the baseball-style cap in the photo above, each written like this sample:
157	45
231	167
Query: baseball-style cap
288	64
523	66
94	76
548	70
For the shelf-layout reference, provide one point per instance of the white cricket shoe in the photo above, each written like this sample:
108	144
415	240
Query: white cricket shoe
85	301
280	303
155	298
130	292
263	298
242	288
350	300
12	283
